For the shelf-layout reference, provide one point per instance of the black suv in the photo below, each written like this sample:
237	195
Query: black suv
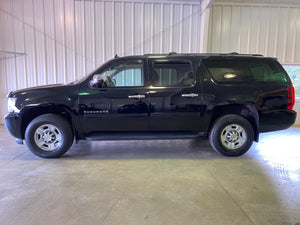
230	98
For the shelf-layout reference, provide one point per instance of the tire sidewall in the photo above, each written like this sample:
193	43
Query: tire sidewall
220	124
62	126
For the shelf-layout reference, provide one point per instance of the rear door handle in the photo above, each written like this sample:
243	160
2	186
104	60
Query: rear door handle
136	96
190	95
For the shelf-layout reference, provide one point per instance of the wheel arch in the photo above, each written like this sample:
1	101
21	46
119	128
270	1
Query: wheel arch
249	112
31	112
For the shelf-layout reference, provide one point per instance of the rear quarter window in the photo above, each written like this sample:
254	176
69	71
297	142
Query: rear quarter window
246	71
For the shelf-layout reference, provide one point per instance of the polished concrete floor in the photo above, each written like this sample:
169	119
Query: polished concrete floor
152	182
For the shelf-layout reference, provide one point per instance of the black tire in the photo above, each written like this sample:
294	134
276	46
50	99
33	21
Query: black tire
231	135
49	136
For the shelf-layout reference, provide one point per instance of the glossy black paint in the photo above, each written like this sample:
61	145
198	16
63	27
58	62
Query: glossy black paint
13	124
158	109
171	110
110	108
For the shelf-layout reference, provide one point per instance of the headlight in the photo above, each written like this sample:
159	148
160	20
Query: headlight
12	105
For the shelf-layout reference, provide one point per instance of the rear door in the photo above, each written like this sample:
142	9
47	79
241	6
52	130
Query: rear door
174	95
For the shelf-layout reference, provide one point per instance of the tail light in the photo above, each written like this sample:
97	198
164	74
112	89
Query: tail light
291	97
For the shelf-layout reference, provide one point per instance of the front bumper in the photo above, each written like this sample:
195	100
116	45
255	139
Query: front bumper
276	120
12	122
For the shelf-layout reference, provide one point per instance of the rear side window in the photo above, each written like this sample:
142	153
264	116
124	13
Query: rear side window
245	70
172	73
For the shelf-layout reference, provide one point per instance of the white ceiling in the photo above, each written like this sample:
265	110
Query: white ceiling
263	1
284	2
244	1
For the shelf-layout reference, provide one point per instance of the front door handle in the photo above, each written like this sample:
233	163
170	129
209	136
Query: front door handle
190	95
136	96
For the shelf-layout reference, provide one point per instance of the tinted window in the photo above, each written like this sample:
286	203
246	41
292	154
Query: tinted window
123	75
172	74
245	70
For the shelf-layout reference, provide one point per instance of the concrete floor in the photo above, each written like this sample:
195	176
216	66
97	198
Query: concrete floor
152	182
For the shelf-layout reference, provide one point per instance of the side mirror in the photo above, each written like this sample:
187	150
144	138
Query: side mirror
97	81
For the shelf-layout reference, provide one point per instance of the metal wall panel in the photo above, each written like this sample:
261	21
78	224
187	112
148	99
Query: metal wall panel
65	39
271	30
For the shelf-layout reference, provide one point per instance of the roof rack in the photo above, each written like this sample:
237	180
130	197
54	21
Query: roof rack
170	53
235	53
153	54
205	54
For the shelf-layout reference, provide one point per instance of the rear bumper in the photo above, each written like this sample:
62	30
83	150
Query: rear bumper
276	120
12	122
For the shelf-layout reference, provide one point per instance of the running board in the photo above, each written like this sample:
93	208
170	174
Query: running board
109	136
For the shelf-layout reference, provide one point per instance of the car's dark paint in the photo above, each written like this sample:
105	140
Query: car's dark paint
13	124
154	135
171	111
260	103
105	109
276	120
159	109
35	101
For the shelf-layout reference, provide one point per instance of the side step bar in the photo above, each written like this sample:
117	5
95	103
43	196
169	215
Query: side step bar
109	136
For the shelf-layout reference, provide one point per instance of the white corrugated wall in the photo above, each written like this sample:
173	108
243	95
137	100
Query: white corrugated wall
64	39
270	30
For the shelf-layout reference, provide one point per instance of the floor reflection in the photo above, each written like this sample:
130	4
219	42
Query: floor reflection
281	150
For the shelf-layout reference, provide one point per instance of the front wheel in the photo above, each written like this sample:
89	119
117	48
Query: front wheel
49	136
231	135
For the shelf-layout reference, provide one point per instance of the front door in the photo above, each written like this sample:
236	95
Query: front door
115	99
174	96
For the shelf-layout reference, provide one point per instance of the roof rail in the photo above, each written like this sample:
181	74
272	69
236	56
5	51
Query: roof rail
257	54
153	54
235	53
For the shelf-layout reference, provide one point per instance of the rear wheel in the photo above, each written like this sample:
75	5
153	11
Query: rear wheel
231	135
49	136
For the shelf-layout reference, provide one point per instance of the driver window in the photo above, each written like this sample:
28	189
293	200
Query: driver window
123	75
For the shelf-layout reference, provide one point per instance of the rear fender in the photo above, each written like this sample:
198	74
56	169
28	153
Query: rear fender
249	112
